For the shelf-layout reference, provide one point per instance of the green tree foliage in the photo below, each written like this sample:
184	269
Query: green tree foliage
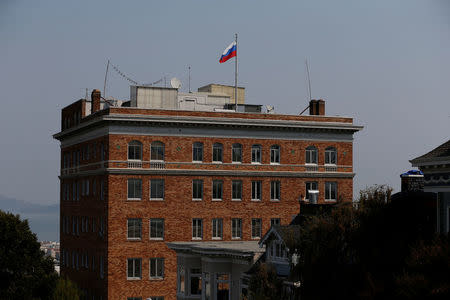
367	252
264	284
66	290
25	273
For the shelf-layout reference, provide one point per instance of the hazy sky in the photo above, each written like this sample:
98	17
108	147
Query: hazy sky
385	63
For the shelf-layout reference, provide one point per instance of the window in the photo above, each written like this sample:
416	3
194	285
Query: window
256	190
217	152
256	154
256	228
134	150
134	229
330	156
330	191
217	229
217	191
277	250
311	155
157	189
102	190
197	152
102	268
275	190
223	286
310	186
196	281
157	151
181	279
275	154
134	189
236	190
156	229
236	153
197	189
156	268
275	221
236	228
197	229
134	268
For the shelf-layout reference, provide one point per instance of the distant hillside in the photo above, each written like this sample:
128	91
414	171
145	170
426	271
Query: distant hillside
43	219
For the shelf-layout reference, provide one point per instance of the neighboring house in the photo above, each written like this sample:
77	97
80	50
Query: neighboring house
169	172
435	166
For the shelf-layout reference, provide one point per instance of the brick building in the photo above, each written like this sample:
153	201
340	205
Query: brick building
139	174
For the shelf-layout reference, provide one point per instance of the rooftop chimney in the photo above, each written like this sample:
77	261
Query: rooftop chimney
412	181
95	104
317	107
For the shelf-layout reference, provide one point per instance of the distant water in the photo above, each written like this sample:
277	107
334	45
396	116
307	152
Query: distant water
43	219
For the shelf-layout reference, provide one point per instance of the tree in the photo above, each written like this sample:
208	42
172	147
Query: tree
265	284
25	273
427	271
66	290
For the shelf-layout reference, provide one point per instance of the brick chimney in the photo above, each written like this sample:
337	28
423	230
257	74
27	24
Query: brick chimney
321	107
95	104
412	181
317	107
313	107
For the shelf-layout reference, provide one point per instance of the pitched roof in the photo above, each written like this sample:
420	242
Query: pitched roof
438	152
283	232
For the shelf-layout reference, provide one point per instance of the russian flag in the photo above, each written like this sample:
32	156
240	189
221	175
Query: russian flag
228	53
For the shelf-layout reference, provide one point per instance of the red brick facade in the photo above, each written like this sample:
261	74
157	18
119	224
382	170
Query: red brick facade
103	162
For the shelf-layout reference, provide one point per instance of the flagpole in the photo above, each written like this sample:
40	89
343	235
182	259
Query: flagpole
236	76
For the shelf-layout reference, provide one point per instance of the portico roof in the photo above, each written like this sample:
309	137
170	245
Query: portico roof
242	249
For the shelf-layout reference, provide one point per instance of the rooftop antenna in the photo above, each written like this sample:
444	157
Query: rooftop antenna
309	79
106	76
309	84
189	79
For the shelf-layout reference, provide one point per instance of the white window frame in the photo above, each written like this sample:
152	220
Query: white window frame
133	144
275	155
196	227
239	191
329	155
217	226
133	260
159	262
314	186
156	145
275	188
236	146
128	186
194	183
128	229
154	180
256	151
309	151
161	223
254	228
234	228
197	147
217	147
221	190
328	190
256	189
